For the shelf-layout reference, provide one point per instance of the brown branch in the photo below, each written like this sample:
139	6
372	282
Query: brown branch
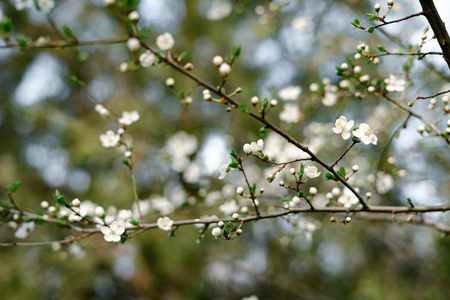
430	12
395	21
343	154
432	96
64	44
46	243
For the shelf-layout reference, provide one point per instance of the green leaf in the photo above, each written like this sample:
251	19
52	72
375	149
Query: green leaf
372	17
236	51
233	154
410	201
144	32
233	165
242	108
181	95
23	43
370	29
61	223
381	48
74	80
6	26
341	172
428	129
13	187
302	171
339	70
356	23
126	162
67	31
283	199
129	4
330	176
262	132
301	194
60	198
253	189
134	222
182	55
27	219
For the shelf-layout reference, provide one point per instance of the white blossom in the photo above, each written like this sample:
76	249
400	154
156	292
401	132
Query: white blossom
129	117
365	133
314	87
342	126
133	44
307	228
147	59
134	16
165	41
290	93
21	4
229	207
23	230
225	69
218	10
165	223
347	199
290	113
312	172
395	84
163	205
329	99
385	182
112	232
109	2
216	231
217	60
254	147
101	110
46	6
109	139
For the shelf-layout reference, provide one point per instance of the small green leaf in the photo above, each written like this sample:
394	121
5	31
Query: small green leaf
182	55
233	165
341	172
13	187
372	17
27	219
356	23
60	198
253	189
381	48
181	95
67	31
236	51
23	43
330	176
370	29
301	194
61	223
428	129
6	26
302	170
144	32
134	222
339	70
74	80
233	154
242	108
262	132
265	103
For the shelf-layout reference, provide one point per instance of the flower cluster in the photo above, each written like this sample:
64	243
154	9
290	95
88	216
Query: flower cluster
362	131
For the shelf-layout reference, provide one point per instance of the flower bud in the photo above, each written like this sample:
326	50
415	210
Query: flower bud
217	60
355	168
44	204
273	102
313	191
377	7
292	171
133	44
254	100
216	231
133	16
225	69
235	216
170	82
221	224
76	202
240	190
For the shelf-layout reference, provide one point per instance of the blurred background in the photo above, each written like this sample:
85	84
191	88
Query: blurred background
50	140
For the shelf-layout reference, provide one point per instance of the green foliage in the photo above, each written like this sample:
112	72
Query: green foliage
13	187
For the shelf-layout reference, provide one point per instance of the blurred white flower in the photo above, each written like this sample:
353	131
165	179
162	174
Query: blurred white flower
23	230
347	199
342	126
254	147
229	207
21	4
113	232
219	10
290	113
385	182
165	223
46	6
395	84
165	41
290	92
128	117
109	139
365	133
329	99
163	205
